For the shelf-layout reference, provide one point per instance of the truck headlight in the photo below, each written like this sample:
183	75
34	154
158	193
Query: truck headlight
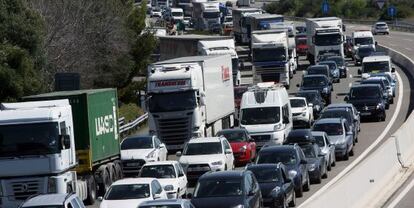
312	167
292	173
278	127
51	185
217	163
169	188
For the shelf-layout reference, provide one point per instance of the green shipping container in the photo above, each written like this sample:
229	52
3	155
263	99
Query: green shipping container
95	120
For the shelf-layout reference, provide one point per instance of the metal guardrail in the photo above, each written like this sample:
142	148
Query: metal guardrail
133	124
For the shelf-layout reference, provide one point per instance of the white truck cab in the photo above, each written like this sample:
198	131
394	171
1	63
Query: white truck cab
362	38
265	112
376	64
211	14
177	14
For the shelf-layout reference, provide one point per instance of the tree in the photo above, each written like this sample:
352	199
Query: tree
20	51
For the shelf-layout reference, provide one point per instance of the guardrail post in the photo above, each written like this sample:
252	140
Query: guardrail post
397	147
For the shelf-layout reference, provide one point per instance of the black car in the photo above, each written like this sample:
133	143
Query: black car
318	82
320	69
368	100
342	113
227	189
295	161
381	82
300	136
314	97
341	63
361	53
277	188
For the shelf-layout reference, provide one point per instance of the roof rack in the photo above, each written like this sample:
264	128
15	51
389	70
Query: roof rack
264	86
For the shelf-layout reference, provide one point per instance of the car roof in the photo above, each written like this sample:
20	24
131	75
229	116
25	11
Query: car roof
315	75
336	57
339	105
308	91
328	120
326	61
127	181
375	78
46	199
164	202
299	132
317	66
231	174
206	140
166	162
365	85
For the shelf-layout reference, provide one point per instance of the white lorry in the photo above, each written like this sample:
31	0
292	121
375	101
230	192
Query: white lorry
324	35
241	23
211	15
270	56
293	56
266	114
189	97
362	38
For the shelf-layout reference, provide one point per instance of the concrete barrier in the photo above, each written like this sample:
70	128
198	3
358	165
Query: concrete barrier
371	182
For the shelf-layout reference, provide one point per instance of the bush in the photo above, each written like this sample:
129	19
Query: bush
130	111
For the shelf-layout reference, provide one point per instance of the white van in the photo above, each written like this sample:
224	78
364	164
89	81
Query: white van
376	64
362	38
265	112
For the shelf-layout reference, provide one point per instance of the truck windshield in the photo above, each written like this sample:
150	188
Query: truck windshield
29	139
363	41
167	102
269	54
375	67
327	40
211	14
208	148
266	115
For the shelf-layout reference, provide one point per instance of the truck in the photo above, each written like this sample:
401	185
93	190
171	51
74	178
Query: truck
264	21
192	45
270	56
324	35
244	3
189	97
241	23
185	5
211	15
59	142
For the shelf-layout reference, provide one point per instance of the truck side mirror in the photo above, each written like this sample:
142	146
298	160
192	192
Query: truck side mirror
285	119
64	141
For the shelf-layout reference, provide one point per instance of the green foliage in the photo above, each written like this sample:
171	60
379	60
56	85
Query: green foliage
130	111
20	36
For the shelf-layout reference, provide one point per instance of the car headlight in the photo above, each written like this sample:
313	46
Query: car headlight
379	105
325	90
151	154
317	107
217	163
278	127
311	167
275	191
243	148
238	206
292	173
169	188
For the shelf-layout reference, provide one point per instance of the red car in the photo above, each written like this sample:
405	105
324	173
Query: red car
301	45
243	146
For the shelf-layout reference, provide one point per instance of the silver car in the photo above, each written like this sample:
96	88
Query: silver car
380	27
349	106
326	147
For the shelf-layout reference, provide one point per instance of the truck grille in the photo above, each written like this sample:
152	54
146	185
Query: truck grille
23	189
174	131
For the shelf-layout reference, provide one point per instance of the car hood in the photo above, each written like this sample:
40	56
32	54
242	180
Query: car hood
237	145
135	154
365	102
266	188
168	181
129	203
336	139
201	159
298	110
209	202
260	128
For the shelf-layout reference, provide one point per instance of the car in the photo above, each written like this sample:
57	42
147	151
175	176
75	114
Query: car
361	53
130	192
348	47
380	27
277	188
319	69
390	79
227	189
342	113
385	86
333	69
341	63
167	203
350	107
302	112
314	97
187	22
326	147
293	158
318	82
243	146
368	100
170	174
201	155
138	150
70	200
339	134
156	13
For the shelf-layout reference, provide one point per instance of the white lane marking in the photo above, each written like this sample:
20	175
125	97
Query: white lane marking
407	39
408	49
367	150
401	195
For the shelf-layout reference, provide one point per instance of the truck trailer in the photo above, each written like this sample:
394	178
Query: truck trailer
59	142
241	23
189	97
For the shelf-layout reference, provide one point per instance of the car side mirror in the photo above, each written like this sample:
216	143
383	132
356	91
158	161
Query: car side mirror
228	151
303	162
189	196
297	85
346	98
393	69
359	71
178	154
100	198
310	105
65	141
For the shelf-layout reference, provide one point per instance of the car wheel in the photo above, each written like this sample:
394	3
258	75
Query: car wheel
319	179
225	167
292	202
299	191
392	101
334	162
325	175
351	153
346	156
382	116
356	139
387	106
329	166
307	185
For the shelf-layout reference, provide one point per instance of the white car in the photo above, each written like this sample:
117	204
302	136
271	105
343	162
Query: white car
156	13
170	174
54	200
302	112
130	192
138	150
201	155
326	147
380	27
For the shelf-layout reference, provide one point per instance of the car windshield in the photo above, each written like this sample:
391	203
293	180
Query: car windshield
381	24
218	188
365	93
336	114
266	115
128	191
332	129
320	141
327	40
137	143
266	175
331	65
297	103
233	136
167	102
314	82
364	41
311	97
285	157
338	60
29	139
317	70
209	15
271	54
375	67
208	148
309	151
158	171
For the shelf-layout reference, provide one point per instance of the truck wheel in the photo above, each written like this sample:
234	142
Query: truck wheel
118	170
91	192
106	181
112	172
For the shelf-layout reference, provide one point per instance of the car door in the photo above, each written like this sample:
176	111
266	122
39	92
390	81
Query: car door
229	156
257	196
182	178
331	148
348	134
303	167
288	185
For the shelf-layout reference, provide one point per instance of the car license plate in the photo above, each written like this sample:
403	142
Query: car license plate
132	164
365	113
